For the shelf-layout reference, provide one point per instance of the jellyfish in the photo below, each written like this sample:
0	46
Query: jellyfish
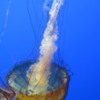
42	79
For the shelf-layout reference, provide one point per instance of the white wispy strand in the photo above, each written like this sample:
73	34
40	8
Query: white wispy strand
48	46
47	49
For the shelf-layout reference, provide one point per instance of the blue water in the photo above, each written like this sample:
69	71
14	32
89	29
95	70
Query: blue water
79	42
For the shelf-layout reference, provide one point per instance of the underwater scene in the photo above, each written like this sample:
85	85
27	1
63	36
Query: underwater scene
49	49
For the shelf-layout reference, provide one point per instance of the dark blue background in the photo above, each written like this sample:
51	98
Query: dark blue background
79	41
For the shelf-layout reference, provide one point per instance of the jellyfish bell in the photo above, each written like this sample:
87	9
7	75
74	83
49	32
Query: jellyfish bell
55	88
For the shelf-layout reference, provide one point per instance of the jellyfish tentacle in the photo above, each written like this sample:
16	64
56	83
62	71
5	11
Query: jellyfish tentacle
6	20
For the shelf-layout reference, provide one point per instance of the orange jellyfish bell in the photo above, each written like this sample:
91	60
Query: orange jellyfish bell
56	88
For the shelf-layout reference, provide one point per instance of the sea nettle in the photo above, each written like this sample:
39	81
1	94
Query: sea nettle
42	79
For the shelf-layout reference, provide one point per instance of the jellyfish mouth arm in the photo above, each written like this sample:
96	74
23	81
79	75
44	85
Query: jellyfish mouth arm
47	49
48	46
53	16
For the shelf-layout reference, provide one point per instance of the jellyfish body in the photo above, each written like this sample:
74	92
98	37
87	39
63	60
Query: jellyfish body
56	89
42	79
